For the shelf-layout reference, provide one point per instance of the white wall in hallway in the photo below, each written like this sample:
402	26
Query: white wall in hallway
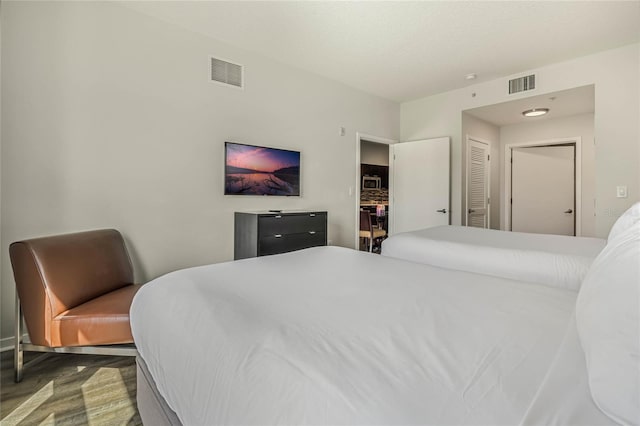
617	104
566	127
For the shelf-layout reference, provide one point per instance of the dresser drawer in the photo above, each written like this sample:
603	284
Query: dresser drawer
291	242
263	233
291	224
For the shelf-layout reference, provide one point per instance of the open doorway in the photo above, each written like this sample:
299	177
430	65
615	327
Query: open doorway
412	192
373	191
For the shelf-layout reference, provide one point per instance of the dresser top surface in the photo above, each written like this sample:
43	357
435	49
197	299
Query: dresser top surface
268	212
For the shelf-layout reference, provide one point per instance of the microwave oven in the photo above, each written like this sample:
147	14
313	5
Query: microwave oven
371	182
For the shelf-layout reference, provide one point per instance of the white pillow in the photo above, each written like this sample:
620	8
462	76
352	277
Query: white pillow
609	327
624	222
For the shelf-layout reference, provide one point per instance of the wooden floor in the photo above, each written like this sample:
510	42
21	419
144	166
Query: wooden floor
66	389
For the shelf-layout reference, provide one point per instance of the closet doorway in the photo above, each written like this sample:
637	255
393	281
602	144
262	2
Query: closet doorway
478	183
545	183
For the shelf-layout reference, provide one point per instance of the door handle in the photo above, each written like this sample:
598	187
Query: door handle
471	211
442	211
569	211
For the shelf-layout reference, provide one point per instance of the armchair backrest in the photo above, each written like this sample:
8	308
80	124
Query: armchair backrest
54	274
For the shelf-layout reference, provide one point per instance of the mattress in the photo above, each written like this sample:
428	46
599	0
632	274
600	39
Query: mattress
553	260
334	336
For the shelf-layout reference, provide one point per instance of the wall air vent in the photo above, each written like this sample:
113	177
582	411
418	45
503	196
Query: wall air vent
227	72
522	84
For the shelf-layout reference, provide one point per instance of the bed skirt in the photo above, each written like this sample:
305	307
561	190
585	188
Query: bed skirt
152	406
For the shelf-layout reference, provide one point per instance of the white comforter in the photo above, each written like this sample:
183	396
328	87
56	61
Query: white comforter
334	336
559	404
554	260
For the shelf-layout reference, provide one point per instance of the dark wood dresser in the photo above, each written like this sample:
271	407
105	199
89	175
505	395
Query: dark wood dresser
265	233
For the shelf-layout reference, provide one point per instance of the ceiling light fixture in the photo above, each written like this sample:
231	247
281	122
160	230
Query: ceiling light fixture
535	112
471	76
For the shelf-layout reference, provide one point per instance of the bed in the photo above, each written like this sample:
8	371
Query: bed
330	335
555	260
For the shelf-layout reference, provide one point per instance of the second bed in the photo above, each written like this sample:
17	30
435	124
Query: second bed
553	260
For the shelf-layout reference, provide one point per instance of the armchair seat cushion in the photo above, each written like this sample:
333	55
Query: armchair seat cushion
102	320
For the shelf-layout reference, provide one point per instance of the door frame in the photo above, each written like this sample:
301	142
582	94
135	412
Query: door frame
466	180
377	139
577	141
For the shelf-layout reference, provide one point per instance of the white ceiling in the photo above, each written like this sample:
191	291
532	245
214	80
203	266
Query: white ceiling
407	50
565	103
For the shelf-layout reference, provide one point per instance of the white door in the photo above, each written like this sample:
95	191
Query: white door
543	189
420	184
477	184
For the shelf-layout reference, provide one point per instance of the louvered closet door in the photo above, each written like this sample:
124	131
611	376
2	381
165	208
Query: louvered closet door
477	184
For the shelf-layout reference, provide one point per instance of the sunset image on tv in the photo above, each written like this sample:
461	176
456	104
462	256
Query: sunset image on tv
255	170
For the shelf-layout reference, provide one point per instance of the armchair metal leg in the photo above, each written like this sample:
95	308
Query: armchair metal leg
19	346
18	360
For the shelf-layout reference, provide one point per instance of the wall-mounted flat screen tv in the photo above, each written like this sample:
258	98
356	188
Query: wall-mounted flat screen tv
258	170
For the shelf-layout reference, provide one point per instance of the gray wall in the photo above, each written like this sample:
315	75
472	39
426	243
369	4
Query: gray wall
109	120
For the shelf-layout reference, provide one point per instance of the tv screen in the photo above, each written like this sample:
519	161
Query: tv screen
258	170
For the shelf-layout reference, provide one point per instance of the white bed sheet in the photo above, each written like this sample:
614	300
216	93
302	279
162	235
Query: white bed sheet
554	260
335	336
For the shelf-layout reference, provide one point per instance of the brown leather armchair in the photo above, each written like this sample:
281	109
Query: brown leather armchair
75	291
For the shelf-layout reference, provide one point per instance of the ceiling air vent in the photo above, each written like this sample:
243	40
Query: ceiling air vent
522	84
226	72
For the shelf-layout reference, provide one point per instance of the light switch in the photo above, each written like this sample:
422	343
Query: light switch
621	191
